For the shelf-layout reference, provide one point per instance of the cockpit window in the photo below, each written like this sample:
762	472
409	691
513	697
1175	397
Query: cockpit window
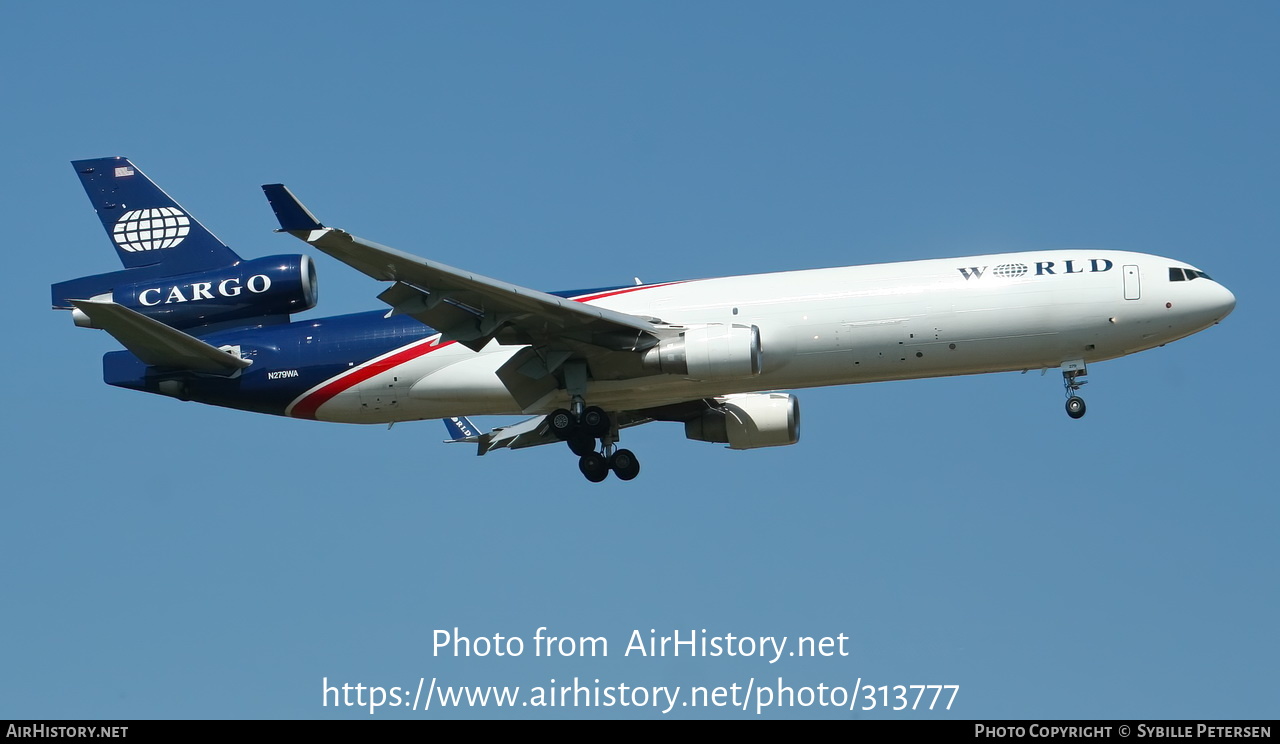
1179	275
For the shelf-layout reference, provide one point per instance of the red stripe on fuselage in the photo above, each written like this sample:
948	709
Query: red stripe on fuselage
611	293
307	407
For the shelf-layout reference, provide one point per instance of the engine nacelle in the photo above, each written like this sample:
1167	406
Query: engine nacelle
709	352
262	287
749	421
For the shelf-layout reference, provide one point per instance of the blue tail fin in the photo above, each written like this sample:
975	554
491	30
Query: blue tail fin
145	225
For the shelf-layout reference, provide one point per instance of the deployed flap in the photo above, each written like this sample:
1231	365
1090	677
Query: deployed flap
528	387
156	343
466	307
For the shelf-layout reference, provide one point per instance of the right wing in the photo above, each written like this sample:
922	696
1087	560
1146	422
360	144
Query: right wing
467	307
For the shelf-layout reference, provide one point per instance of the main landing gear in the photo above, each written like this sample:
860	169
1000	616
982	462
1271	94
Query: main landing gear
1071	374
581	428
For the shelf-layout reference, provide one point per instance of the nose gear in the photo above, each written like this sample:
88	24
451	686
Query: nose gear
1072	372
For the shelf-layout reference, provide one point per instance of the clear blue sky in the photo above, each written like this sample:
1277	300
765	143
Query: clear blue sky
168	560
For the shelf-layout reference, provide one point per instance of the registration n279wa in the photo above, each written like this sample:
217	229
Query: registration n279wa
200	323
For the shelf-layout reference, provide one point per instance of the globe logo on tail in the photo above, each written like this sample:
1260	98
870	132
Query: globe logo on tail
151	229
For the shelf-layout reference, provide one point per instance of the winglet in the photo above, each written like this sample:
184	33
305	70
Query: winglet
461	429
465	432
292	215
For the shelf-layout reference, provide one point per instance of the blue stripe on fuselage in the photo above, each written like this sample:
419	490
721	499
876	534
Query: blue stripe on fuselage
568	293
287	359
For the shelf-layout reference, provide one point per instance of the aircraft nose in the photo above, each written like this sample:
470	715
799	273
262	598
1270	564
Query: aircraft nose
1207	302
1225	302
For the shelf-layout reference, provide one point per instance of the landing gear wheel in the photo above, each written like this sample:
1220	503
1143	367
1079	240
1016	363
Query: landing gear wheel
562	423
1073	373
582	444
594	466
624	464
595	421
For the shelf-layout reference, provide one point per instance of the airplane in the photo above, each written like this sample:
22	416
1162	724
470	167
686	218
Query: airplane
200	323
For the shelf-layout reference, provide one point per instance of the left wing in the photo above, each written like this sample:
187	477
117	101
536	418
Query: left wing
467	307
528	433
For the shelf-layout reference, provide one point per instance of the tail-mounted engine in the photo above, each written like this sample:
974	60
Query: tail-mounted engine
749	421
275	286
709	352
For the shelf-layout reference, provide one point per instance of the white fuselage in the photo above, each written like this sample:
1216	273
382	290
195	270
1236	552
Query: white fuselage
914	319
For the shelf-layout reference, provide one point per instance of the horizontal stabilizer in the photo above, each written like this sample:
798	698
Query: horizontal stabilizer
158	344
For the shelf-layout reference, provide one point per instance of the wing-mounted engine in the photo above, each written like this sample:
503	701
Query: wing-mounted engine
271	287
748	421
714	351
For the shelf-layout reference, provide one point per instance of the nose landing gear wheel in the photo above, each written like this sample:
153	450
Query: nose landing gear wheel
594	466
624	464
1073	373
